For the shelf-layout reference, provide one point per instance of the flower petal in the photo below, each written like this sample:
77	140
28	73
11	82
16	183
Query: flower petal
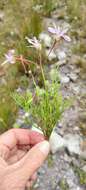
52	30
66	38
64	31
30	41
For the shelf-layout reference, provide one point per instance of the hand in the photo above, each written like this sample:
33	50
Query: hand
21	154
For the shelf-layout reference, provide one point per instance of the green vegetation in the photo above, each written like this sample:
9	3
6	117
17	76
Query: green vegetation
44	105
63	184
8	109
45	7
73	8
80	48
81	174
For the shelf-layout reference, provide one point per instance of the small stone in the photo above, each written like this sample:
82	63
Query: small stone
73	143
3	81
27	114
61	63
25	126
37	8
64	79
1	16
84	168
67	158
82	116
35	128
76	89
83	145
77	71
61	55
83	149
51	56
76	128
80	61
19	122
46	39
37	184
73	77
56	142
19	90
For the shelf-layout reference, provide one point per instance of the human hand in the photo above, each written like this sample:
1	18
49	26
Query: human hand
21	154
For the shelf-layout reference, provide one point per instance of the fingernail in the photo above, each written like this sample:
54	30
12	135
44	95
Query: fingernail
44	147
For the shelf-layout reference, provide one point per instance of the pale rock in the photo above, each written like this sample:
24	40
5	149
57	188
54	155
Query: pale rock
78	188
67	158
83	154
36	129
1	16
37	8
26	115
72	143
61	55
19	90
56	142
76	89
64	79
84	168
61	62
19	122
46	39
51	56
3	81
73	77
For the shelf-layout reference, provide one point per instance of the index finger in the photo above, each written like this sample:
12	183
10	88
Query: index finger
15	137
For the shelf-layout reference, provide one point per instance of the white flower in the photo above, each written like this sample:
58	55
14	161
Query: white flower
34	43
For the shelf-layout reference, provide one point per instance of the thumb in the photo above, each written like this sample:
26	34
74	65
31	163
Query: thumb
32	160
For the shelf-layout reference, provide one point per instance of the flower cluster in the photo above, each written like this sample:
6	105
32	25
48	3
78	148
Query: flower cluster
58	34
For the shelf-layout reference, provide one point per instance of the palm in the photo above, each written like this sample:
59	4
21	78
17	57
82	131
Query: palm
14	145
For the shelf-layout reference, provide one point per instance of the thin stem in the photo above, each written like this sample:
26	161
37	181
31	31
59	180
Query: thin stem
3	122
33	77
21	58
52	47
42	72
26	61
55	44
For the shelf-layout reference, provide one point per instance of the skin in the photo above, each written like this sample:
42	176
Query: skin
22	152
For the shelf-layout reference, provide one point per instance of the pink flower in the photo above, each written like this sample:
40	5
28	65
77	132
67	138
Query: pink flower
59	33
34	43
10	57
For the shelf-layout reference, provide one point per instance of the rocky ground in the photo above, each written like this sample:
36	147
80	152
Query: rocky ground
66	168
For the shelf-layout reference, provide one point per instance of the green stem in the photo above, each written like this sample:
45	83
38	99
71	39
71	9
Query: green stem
33	77
1	120
42	72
